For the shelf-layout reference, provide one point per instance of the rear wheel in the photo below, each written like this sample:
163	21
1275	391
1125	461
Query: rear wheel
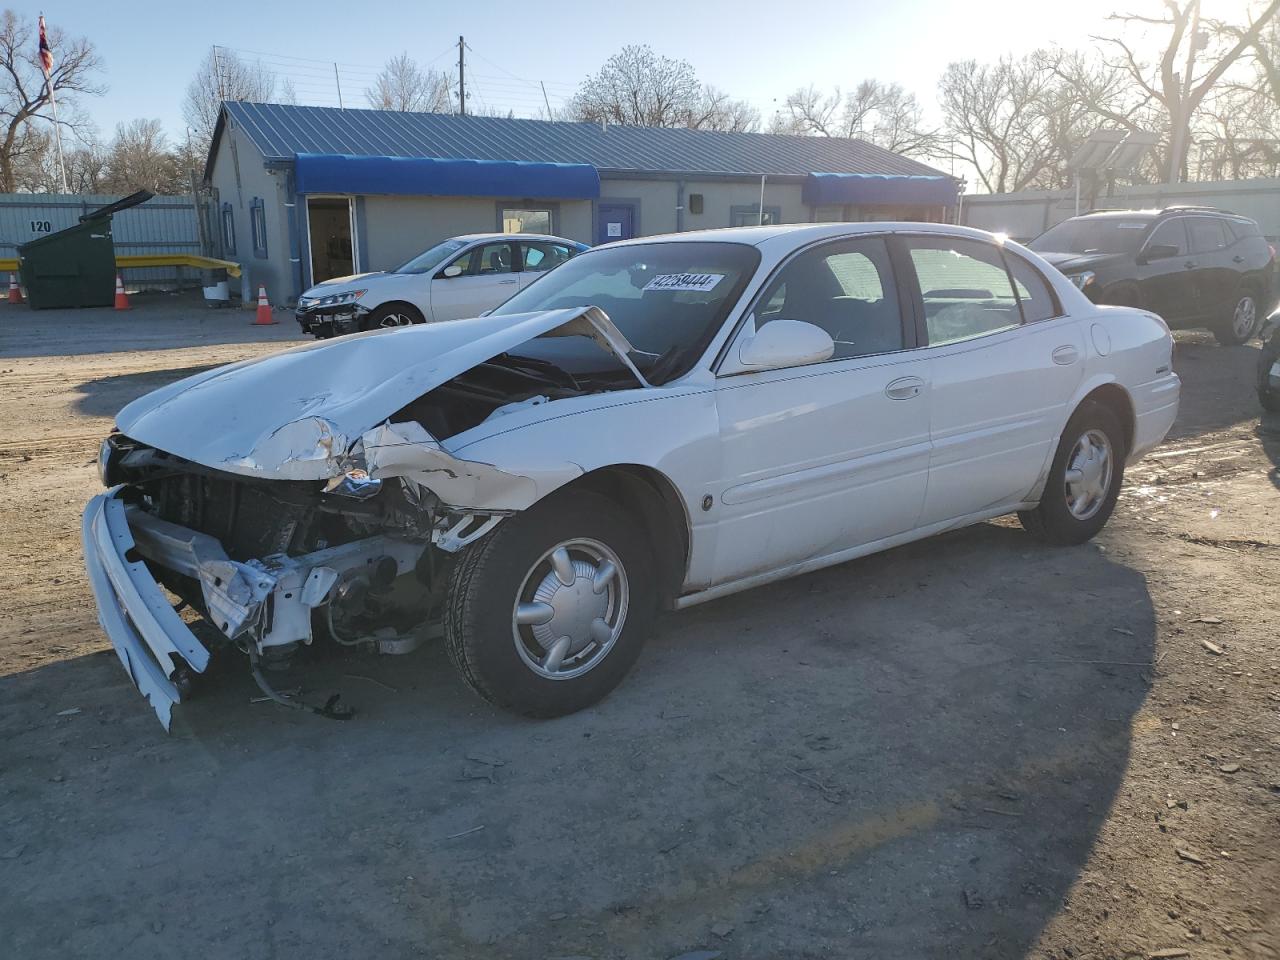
392	315
1239	320
545	615
1084	479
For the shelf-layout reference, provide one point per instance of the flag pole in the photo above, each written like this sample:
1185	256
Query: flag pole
57	131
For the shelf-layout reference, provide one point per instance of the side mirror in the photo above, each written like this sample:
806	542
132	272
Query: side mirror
1159	251
786	343
452	270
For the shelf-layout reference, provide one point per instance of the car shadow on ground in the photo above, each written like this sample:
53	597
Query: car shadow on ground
105	396
908	755
1212	375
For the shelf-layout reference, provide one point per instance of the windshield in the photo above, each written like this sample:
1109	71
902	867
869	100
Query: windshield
668	299
1112	235
428	260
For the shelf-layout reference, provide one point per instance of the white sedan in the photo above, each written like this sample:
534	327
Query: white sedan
460	277
654	424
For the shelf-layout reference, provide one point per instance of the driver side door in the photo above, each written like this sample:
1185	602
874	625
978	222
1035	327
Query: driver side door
822	458
1167	283
488	277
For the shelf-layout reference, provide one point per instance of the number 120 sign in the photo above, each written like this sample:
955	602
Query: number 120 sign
41	226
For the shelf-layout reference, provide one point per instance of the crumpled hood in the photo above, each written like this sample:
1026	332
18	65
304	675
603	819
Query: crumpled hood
1075	262
291	415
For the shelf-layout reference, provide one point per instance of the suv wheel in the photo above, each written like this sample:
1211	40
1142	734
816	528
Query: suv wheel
1268	395
1240	319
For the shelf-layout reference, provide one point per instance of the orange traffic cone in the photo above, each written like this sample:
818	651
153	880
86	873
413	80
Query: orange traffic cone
122	302
15	292
264	317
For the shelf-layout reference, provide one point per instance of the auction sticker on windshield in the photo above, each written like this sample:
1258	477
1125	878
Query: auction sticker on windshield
702	282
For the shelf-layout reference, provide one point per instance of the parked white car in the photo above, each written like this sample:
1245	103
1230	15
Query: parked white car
656	423
460	277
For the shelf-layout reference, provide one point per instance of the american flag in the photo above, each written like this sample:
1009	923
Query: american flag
46	55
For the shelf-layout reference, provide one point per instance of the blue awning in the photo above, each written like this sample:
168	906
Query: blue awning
832	188
429	176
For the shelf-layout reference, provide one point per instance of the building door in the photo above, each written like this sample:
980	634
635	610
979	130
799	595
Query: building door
615	221
329	232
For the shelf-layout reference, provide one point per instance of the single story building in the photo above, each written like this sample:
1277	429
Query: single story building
308	193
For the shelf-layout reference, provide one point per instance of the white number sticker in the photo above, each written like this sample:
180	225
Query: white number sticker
701	282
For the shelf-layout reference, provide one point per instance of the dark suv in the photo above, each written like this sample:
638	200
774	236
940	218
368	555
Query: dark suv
1194	266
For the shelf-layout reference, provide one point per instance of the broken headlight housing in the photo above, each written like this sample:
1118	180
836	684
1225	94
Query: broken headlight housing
335	299
110	453
355	483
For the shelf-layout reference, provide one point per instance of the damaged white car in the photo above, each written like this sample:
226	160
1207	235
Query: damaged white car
653	424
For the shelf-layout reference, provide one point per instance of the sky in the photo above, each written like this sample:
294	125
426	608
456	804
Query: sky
755	51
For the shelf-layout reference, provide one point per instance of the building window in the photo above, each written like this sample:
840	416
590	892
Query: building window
695	203
527	219
258	227
228	230
749	216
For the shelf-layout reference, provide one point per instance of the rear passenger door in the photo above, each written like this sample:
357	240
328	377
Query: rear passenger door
1000	386
488	277
1214	276
538	256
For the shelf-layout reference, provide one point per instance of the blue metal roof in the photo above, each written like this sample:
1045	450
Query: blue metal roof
282	131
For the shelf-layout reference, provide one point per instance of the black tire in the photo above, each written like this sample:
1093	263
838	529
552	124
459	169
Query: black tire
1052	521
1224	329
484	590
1270	399
387	314
1123	295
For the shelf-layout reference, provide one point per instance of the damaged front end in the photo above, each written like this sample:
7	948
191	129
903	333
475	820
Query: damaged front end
312	532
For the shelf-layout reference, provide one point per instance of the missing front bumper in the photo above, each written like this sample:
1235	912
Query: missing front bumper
261	603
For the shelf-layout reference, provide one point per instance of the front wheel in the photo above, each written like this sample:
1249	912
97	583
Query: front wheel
545	615
392	315
1239	321
1084	479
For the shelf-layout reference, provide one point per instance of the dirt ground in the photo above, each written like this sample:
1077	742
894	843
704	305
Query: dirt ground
974	746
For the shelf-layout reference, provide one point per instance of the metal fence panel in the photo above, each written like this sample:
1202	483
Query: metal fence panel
161	225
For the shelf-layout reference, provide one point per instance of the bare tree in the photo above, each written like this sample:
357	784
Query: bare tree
139	158
1209	54
24	95
222	76
36	166
637	87
1014	121
882	113
403	85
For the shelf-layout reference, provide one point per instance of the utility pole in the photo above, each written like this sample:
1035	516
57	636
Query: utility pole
1181	117
217	73
462	77
545	100
338	80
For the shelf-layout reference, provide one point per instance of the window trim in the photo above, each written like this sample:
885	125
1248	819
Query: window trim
907	318
753	209
228	229
1058	311
527	203
258	209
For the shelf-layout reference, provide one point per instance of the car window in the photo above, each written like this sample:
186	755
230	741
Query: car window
965	287
492	258
539	257
847	289
1172	233
1092	235
1038	301
1208	235
431	258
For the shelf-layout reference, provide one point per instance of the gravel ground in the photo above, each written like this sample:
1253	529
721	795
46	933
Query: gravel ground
973	746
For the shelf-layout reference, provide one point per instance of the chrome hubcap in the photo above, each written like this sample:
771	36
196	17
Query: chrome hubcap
1088	474
570	609
1245	316
396	320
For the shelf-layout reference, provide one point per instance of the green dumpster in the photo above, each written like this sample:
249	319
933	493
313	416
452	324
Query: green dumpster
75	267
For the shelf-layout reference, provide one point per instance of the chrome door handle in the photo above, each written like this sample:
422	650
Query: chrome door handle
1237	259
1065	355
904	388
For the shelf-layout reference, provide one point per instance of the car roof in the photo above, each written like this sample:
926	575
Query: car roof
473	237
806	232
